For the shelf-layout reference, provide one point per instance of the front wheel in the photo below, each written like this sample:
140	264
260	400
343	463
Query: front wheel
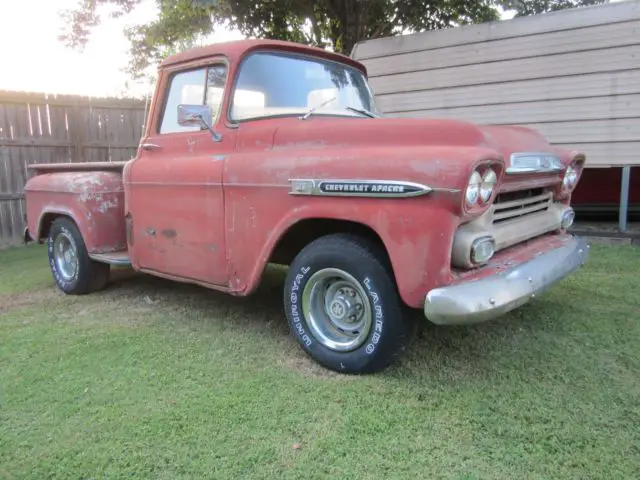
342	305
73	270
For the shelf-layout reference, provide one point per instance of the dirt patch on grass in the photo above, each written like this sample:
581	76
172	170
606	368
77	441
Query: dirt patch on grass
28	299
293	358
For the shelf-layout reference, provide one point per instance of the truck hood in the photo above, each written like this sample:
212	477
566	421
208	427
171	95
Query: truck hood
321	133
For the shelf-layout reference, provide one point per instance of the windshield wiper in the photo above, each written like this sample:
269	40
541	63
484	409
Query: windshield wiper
313	109
362	111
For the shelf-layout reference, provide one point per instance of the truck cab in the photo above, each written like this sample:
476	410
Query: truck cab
259	152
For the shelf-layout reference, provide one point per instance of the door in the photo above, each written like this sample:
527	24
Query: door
176	195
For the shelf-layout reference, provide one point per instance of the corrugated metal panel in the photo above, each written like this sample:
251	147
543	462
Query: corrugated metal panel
594	38
518	27
614	154
580	63
597	131
573	75
572	110
592	85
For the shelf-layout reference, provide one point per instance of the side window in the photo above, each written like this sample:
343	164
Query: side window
189	88
185	87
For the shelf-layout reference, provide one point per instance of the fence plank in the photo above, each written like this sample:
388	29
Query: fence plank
39	128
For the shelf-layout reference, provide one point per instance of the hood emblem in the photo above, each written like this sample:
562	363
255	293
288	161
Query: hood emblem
358	188
534	163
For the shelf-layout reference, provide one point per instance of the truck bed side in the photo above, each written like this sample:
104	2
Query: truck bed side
91	194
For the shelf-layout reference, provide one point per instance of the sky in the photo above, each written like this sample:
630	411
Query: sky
33	59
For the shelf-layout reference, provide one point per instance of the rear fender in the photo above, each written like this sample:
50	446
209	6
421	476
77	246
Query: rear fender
93	200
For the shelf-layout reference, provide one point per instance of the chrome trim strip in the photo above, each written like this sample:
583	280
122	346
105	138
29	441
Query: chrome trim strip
490	297
357	188
533	162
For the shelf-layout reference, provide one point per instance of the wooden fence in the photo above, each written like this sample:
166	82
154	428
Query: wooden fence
36	128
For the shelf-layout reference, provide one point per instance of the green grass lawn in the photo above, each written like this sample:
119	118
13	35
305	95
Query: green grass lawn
153	379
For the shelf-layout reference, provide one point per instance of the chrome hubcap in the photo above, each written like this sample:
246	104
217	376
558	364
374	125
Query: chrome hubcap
65	256
336	309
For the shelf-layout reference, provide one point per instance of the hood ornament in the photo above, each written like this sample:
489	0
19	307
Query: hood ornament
525	162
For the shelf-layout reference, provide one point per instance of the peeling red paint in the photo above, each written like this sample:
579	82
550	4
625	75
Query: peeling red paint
94	200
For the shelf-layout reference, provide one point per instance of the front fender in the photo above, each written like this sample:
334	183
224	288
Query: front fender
416	234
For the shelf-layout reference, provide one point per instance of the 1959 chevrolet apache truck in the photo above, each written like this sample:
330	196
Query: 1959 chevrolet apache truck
261	152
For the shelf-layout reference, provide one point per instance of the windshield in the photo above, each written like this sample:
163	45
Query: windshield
271	84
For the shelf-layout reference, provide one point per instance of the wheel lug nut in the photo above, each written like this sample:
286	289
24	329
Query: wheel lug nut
352	293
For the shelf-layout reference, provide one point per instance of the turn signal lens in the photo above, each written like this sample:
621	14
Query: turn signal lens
489	180
567	218
482	249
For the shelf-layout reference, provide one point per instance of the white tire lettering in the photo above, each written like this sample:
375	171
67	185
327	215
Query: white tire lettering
295	313
379	317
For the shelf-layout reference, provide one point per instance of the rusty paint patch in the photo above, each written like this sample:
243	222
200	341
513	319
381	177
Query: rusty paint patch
105	205
169	233
129	228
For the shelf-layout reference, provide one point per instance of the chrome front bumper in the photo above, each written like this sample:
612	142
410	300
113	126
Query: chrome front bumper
490	297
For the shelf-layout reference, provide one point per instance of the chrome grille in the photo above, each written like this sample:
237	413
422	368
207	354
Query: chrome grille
511	205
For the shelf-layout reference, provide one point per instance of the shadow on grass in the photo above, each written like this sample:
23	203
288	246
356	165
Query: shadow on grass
446	352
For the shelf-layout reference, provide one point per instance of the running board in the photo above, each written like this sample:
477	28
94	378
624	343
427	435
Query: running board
120	259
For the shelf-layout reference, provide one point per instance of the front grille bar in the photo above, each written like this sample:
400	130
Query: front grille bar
517	208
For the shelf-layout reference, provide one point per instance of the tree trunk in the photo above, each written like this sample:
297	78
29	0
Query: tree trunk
350	24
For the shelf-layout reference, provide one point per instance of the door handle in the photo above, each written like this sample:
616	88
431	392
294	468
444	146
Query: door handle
149	146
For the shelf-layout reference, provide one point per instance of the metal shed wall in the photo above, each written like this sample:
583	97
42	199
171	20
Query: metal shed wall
573	75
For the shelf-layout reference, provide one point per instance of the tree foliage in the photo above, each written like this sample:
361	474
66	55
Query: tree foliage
535	7
338	24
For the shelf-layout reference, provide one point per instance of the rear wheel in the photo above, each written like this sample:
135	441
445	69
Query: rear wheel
73	270
343	307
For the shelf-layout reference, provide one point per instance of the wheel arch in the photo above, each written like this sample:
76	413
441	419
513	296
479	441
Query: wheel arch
46	220
303	232
283	248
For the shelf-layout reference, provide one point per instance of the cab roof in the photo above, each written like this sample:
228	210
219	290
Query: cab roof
236	49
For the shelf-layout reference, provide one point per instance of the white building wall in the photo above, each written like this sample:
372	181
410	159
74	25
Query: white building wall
573	75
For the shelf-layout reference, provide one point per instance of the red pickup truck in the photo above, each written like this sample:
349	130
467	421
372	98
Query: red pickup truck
262	152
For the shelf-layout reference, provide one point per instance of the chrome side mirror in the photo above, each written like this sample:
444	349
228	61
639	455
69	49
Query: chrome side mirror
190	115
201	115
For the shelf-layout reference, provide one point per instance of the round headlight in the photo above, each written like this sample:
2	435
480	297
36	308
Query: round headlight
473	189
482	249
489	180
570	177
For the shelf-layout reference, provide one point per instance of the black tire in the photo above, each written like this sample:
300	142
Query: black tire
362	261
89	275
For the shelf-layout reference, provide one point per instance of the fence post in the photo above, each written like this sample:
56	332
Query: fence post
624	199
76	132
